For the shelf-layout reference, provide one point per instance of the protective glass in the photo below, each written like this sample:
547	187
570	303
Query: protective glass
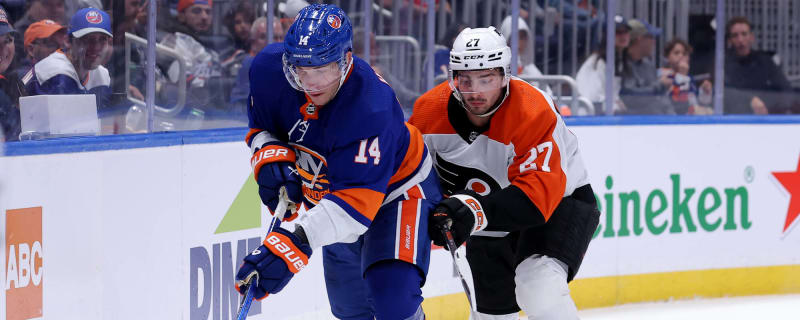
477	81
314	79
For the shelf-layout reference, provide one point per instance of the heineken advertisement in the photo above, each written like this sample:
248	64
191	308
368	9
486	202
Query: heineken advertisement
639	213
692	201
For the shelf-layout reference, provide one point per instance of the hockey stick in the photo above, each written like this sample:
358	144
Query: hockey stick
463	272
247	299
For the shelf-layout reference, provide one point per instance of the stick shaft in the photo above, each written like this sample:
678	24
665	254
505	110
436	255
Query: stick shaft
280	211
451	246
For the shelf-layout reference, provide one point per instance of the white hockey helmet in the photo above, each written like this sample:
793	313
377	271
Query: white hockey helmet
479	49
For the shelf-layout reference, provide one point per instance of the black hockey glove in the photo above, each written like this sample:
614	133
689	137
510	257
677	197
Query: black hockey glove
462	212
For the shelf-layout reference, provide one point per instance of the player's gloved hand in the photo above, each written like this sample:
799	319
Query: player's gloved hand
462	212
276	261
273	167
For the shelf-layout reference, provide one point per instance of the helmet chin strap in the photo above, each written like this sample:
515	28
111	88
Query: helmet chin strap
486	114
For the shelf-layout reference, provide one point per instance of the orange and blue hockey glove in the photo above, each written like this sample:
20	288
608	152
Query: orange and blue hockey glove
274	167
276	261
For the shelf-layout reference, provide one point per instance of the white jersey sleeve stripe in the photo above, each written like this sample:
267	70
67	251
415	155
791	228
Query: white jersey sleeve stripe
567	142
259	140
327	223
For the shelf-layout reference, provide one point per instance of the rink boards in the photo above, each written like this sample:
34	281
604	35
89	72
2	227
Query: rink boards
153	227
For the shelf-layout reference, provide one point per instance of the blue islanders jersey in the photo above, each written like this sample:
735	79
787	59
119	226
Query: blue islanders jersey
56	75
354	154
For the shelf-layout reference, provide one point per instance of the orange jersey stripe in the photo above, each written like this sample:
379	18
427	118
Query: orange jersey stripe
407	233
414	154
544	183
365	201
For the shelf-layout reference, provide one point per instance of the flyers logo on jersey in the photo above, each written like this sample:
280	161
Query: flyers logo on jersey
334	21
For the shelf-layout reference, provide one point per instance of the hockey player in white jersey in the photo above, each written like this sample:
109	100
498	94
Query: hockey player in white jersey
518	191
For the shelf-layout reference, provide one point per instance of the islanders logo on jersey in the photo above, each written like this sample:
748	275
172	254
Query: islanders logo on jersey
313	170
94	17
334	21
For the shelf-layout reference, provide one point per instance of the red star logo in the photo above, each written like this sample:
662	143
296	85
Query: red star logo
791	182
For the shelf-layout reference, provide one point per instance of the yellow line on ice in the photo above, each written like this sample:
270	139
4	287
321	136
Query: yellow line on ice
609	291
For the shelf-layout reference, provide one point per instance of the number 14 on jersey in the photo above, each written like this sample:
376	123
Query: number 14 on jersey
374	152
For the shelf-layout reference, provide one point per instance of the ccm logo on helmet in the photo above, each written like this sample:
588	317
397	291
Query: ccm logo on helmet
287	252
480	56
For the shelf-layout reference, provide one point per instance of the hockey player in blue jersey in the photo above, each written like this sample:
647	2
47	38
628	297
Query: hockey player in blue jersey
326	127
79	70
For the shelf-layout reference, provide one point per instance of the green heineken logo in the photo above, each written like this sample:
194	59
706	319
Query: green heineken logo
677	210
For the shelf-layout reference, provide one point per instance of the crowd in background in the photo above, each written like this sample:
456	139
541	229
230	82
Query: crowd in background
218	40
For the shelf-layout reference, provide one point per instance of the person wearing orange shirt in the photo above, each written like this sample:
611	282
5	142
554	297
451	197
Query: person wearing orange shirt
518	192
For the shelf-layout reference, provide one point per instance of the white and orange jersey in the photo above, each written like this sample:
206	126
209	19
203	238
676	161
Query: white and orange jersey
526	144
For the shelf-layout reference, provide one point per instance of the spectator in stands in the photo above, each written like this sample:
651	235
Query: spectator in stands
37	10
682	91
71	6
441	56
42	39
258	34
10	88
591	77
134	21
207	89
238	21
195	15
753	82
530	69
78	71
194	19
258	40
641	89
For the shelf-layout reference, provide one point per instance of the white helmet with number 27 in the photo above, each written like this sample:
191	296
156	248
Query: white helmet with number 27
479	49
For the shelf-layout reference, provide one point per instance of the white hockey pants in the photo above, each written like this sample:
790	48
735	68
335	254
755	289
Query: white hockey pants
541	290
